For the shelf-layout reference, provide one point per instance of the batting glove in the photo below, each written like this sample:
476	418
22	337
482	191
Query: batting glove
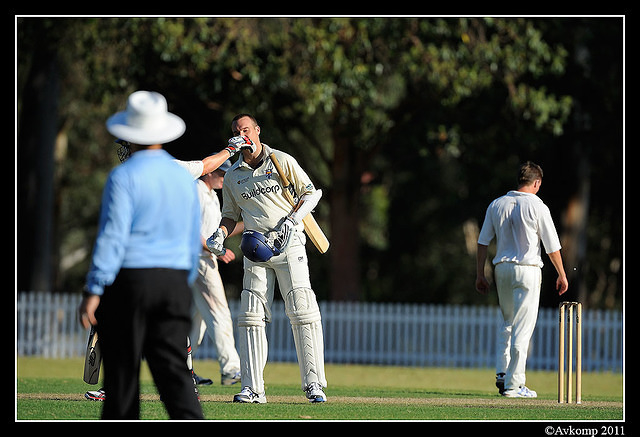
281	234
215	243
239	143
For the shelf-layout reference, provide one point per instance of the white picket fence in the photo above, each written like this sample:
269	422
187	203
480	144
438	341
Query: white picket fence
358	333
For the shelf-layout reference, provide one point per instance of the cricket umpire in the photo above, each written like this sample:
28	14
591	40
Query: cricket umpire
145	256
273	248
519	221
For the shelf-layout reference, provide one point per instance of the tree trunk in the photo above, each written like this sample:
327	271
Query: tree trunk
574	238
344	216
36	141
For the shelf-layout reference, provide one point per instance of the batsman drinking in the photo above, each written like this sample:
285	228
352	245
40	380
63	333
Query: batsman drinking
273	245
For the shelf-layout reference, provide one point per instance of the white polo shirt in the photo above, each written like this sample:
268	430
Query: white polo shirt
255	196
195	168
209	210
519	221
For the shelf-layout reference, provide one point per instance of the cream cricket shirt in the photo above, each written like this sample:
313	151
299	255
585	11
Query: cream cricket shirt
255	196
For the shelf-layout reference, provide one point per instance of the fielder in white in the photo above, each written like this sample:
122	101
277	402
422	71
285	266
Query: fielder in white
273	245
202	297
519	221
211	310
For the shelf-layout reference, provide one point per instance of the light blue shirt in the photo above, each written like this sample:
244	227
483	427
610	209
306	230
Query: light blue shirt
150	218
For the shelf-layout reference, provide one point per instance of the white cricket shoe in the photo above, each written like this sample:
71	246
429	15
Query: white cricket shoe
95	395
247	395
520	392
230	379
315	393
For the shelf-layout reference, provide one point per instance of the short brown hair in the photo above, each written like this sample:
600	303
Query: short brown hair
528	173
239	116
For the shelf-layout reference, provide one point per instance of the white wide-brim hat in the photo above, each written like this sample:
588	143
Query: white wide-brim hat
146	120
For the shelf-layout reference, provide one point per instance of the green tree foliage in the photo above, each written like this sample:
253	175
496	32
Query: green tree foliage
411	126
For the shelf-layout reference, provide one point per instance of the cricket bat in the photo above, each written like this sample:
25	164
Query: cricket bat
311	227
92	358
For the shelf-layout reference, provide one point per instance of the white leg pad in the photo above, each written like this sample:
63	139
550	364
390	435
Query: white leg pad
252	341
304	314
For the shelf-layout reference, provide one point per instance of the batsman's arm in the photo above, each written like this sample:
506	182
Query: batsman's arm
228	226
305	205
311	227
210	163
237	230
197	168
215	243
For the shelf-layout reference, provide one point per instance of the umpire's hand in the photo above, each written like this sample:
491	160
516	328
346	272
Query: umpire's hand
87	310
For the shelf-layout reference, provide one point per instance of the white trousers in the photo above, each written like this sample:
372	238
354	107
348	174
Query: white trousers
519	296
291	273
211	314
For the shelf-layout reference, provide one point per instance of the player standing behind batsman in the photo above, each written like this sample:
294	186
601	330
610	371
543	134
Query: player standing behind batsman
518	220
211	310
273	245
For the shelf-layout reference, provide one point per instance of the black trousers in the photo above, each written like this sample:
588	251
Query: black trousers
146	313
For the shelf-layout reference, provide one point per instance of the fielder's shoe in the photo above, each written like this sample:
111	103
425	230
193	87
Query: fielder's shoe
201	381
95	395
230	379
249	396
500	382
314	393
520	392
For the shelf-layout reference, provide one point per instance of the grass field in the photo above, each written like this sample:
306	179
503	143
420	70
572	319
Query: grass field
53	390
